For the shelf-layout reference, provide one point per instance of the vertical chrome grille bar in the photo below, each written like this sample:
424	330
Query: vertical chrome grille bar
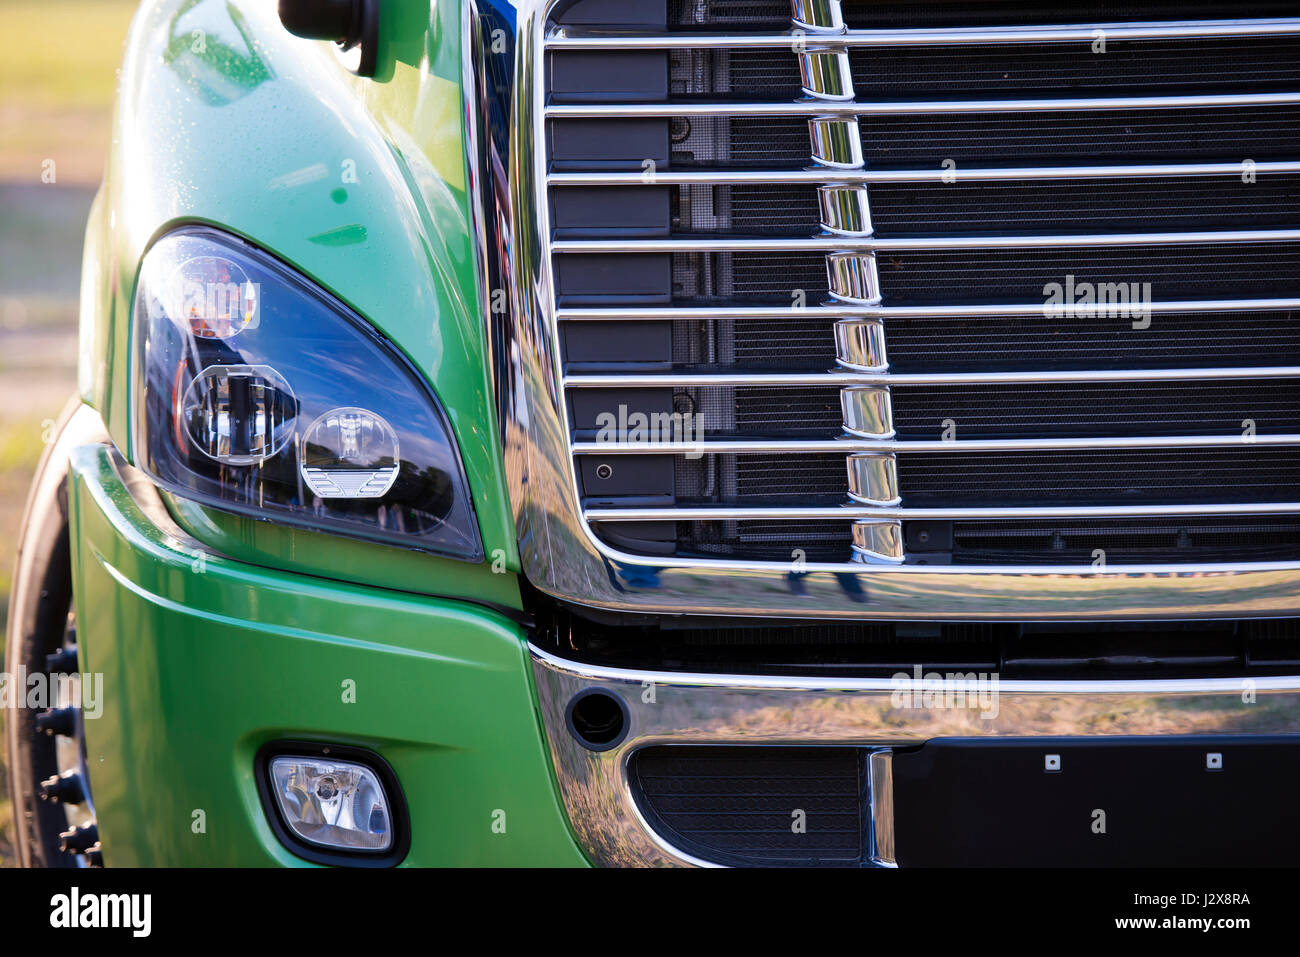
853	277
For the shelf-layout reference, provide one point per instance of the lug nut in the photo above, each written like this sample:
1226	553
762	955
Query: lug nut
57	721
78	840
62	662
63	788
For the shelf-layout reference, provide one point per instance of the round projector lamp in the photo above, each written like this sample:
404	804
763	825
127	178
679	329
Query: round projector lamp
239	414
214	297
350	453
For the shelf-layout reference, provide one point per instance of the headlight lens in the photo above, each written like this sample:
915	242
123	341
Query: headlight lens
259	393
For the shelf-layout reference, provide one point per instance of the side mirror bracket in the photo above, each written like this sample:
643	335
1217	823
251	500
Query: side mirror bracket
352	24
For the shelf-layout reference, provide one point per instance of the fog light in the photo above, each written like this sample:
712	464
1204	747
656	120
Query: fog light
333	804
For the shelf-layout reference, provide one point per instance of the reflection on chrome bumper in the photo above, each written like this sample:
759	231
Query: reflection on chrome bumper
664	707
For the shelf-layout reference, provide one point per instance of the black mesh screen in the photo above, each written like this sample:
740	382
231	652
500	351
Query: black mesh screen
1023	70
1042	138
1021	206
1173	340
1004	343
1128	541
903	14
1237	270
755	806
1232	408
1101	477
1087	205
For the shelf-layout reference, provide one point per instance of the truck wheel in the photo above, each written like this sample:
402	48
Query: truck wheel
54	817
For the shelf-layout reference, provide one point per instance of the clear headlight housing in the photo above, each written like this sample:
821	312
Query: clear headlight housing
259	393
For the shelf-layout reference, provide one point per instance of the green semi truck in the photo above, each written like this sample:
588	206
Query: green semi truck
657	432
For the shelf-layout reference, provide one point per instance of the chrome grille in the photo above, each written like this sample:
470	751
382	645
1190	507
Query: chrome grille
864	165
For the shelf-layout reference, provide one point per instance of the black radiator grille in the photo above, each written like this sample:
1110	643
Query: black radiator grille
1143	649
1184	394
1136	540
924	277
1021	411
779	542
1101	477
1044	138
1021	69
1224	65
1173	340
1089	204
1099	408
739	805
751	478
1242	270
757	15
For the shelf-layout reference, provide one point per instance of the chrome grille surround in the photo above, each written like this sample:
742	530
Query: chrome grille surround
559	551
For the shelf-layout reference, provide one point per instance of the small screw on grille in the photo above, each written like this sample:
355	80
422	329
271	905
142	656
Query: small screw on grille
683	404
604	470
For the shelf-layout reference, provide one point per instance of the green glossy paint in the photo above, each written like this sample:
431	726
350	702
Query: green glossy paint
225	118
302	550
205	661
224	633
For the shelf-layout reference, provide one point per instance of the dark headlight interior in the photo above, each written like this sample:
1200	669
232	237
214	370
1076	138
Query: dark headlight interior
258	392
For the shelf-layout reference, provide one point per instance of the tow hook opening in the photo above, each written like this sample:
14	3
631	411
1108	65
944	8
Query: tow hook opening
598	719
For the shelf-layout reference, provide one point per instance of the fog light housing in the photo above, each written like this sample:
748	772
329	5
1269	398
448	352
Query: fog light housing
334	805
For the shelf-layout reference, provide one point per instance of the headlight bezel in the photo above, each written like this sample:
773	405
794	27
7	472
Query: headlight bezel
454	534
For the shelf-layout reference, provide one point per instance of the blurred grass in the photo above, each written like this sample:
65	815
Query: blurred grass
20	448
57	81
63	53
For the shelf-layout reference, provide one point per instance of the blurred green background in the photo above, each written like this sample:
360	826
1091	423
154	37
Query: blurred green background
57	78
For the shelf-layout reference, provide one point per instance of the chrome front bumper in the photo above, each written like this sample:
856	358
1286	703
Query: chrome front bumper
665	707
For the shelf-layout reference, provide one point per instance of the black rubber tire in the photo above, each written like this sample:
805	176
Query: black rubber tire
38	612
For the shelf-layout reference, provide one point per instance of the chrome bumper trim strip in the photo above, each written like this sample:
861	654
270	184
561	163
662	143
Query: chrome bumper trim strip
673	708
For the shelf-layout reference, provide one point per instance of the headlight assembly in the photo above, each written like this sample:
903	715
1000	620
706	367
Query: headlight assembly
258	392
